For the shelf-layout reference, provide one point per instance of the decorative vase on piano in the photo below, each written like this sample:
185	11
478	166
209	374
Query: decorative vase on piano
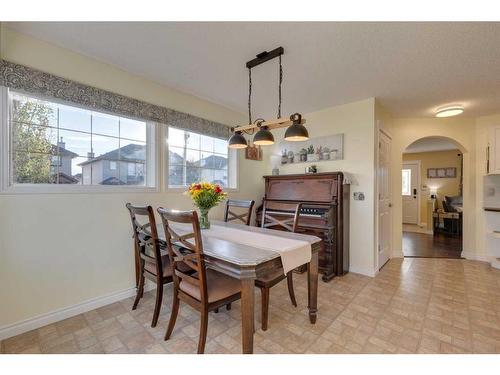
205	196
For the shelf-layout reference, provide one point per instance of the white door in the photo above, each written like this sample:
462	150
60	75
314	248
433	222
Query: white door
410	176
384	199
494	151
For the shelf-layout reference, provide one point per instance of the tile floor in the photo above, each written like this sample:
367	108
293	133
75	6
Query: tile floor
413	306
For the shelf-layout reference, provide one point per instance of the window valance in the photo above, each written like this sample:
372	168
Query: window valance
20	77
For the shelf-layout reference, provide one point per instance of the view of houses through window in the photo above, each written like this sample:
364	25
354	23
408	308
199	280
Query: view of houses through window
195	157
59	144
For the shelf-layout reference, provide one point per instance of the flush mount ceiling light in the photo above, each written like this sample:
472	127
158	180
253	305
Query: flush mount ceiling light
264	137
450	110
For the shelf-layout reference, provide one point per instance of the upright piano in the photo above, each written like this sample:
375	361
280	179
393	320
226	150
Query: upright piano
324	213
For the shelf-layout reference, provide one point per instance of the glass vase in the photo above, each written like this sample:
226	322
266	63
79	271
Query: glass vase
204	222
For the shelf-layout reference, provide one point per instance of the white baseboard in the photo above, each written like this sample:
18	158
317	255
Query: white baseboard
361	271
66	312
473	256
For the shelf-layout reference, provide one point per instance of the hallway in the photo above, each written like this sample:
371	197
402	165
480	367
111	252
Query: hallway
429	246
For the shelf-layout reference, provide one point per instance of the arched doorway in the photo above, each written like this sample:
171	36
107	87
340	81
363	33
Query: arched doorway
433	204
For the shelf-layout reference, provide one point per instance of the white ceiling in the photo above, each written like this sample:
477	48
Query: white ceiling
412	68
429	144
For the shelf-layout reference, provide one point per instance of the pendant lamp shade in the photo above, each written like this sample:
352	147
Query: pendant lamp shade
296	132
237	141
263	137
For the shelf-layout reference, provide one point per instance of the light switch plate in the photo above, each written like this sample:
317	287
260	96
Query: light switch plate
359	196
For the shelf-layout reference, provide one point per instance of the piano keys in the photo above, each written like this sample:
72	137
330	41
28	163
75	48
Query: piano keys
325	213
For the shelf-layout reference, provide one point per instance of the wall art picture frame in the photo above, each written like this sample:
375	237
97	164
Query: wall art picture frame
449	172
253	152
313	150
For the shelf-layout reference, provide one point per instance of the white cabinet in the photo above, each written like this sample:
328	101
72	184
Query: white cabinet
493	166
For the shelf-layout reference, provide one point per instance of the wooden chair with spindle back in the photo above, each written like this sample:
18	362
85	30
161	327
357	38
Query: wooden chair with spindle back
272	218
245	216
206	289
152	261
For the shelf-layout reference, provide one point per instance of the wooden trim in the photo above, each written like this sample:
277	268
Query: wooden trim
492	209
272	124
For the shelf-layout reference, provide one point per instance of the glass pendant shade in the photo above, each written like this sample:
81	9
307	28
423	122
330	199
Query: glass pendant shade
237	141
296	133
263	137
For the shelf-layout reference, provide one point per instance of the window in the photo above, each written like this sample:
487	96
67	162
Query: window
406	182
195	157
53	143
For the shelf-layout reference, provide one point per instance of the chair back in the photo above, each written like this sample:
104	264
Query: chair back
147	244
282	214
185	248
245	205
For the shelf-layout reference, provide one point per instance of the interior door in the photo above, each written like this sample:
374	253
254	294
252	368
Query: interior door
410	176
384	199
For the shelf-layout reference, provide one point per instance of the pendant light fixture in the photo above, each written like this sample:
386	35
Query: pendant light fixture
296	130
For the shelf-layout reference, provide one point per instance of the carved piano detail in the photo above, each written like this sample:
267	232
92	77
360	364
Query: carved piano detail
324	213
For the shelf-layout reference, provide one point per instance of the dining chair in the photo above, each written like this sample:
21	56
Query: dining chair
205	290
245	216
152	261
274	217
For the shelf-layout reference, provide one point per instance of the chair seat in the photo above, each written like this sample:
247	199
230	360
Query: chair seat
277	275
219	286
167	269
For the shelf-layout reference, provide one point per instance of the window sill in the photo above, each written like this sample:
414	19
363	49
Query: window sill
181	189
75	189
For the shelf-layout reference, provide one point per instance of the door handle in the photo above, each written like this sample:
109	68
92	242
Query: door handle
414	191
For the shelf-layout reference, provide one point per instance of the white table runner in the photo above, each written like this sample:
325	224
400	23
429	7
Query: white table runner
294	253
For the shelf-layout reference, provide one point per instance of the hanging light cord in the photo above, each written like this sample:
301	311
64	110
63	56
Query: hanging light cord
249	100
279	87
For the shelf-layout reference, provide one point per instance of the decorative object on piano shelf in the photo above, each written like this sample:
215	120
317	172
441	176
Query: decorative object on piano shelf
276	171
312	169
321	149
253	152
296	130
205	196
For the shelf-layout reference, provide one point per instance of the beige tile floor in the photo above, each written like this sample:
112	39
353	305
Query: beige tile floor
412	306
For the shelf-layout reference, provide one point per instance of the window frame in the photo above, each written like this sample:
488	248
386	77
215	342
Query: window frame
7	186
232	167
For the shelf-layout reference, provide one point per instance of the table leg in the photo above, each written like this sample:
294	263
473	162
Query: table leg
312	287
247	315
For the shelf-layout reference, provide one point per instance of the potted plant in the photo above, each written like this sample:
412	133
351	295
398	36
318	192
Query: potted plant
205	196
333	154
290	157
311	156
303	155
326	153
284	157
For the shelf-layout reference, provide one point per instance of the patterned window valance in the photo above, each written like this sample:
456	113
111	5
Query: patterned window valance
36	82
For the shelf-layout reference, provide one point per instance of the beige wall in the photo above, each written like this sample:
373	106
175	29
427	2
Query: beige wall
462	131
59	250
356	122
444	186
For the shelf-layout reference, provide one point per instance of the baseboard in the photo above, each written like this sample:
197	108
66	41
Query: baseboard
473	256
66	312
361	271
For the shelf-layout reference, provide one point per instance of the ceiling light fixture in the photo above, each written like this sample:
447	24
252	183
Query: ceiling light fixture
450	110
264	137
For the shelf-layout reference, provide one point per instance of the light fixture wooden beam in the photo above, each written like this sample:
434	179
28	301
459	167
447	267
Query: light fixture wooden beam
272	124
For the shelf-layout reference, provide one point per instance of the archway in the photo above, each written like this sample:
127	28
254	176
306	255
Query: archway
435	175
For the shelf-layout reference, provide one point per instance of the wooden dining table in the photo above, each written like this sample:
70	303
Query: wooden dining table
247	263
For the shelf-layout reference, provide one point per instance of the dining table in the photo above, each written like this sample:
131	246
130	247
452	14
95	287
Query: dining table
246	262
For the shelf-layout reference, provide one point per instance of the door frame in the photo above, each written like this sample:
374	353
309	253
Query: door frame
418	163
385	133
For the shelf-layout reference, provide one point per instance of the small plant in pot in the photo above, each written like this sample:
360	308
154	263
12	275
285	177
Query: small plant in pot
311	156
303	155
284	157
325	153
290	157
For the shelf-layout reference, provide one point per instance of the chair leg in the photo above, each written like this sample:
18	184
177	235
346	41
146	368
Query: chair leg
228	306
140	291
265	307
289	281
203	331
159	297
173	316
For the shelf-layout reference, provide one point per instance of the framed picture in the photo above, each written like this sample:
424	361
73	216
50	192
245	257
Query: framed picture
318	149
253	152
450	172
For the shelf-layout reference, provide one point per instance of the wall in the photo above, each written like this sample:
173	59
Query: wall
356	121
59	250
462	130
444	186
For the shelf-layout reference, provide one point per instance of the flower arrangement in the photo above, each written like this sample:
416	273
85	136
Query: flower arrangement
205	196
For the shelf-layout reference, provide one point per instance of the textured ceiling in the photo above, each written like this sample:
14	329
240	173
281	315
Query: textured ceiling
412	68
